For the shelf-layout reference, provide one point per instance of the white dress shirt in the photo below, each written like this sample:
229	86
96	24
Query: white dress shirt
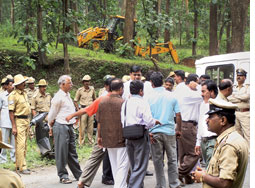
189	102
202	125
5	121
126	93
137	112
61	106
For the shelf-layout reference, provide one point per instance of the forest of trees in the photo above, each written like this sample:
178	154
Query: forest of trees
222	26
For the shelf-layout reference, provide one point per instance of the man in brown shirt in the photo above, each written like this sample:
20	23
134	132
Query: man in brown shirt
110	133
85	96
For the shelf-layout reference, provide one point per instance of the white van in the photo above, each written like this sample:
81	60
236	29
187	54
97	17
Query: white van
223	66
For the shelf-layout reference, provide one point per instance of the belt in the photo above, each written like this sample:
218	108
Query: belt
191	121
205	139
83	106
22	117
243	109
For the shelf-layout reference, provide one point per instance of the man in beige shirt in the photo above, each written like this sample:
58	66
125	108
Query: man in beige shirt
85	96
19	111
228	164
31	90
226	89
41	100
241	97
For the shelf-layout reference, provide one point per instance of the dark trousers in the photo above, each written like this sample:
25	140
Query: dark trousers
65	150
107	170
186	145
138	153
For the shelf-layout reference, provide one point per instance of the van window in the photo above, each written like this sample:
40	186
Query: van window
220	72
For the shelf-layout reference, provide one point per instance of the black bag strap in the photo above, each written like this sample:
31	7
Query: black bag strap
125	112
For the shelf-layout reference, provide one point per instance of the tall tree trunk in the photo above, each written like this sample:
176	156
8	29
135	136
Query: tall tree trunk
239	11
213	38
187	20
194	42
28	22
167	31
158	10
65	30
228	33
74	7
42	54
123	7
12	12
129	21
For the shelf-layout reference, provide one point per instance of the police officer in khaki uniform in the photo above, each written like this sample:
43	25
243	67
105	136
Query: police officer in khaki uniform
31	90
228	164
9	178
41	100
19	111
85	96
241	97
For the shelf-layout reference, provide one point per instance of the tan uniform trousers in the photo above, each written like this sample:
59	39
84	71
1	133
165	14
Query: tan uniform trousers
86	124
21	142
243	125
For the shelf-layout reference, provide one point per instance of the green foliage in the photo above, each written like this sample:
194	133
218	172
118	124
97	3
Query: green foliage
125	50
27	62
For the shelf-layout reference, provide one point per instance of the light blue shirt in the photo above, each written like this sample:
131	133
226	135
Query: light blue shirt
5	121
163	108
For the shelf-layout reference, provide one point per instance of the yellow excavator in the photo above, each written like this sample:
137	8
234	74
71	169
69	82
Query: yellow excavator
105	37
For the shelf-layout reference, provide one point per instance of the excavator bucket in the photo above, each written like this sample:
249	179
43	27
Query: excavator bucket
173	53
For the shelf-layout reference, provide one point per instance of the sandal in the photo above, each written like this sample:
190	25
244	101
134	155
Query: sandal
65	181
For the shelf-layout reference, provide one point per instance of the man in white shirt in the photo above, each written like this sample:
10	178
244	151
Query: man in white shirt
206	139
64	137
5	122
134	111
189	99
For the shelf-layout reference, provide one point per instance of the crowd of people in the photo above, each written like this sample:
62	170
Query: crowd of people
201	129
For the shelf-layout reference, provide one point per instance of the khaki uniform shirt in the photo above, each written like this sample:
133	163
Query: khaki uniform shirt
85	97
41	103
230	158
241	96
18	103
31	93
221	96
101	91
10	179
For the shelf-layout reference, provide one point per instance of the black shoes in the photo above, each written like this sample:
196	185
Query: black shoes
107	182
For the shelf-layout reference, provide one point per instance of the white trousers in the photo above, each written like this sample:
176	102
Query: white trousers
120	166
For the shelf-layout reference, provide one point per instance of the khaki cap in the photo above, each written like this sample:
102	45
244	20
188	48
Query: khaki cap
18	79
241	72
171	74
217	105
3	80
86	78
143	78
4	145
187	74
42	82
125	78
30	80
9	77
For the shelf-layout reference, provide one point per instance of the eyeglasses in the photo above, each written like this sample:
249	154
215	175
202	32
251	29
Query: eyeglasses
137	74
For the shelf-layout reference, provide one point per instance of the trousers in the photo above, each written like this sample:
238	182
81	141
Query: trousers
86	125
6	135
65	150
243	125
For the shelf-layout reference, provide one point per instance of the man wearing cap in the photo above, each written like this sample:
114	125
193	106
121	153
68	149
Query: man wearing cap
226	89
85	96
41	100
241	97
31	90
9	178
5	123
19	111
228	164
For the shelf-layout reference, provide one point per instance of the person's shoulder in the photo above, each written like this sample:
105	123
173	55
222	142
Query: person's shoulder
80	89
236	140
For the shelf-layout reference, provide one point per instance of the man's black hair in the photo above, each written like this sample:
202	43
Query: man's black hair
7	81
211	86
148	75
180	73
157	79
229	115
135	87
108	81
225	84
116	84
135	68
205	76
170	80
191	77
